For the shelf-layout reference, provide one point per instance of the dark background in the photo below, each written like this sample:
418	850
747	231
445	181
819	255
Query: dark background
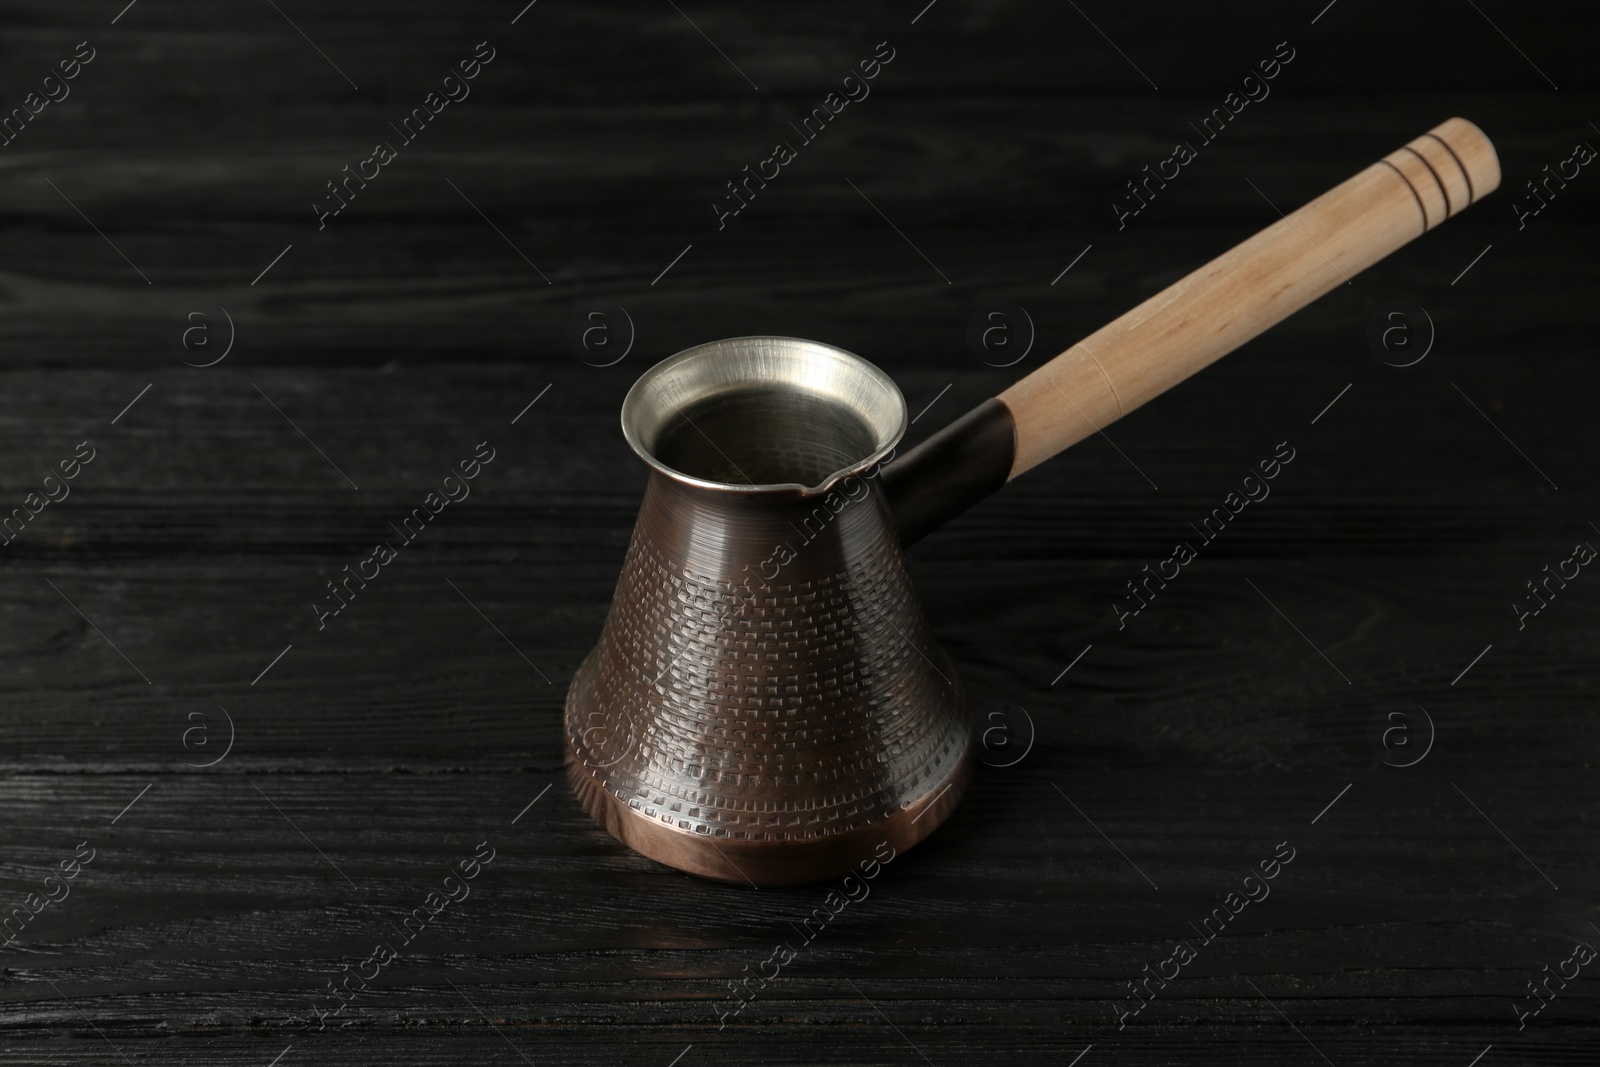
378	751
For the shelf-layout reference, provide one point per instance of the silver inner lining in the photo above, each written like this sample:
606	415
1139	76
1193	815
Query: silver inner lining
763	413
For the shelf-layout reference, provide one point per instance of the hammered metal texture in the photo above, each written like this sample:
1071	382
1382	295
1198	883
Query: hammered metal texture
765	684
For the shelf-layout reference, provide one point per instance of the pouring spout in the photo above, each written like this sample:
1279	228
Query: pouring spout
951	471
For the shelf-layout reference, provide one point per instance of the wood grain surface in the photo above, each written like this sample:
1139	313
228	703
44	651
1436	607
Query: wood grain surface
171	591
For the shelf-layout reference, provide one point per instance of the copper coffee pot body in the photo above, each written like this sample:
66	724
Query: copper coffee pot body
766	701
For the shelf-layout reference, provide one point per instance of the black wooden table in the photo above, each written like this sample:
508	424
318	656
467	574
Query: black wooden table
218	801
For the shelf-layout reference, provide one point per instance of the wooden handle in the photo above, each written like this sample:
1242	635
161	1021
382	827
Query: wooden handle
1248	289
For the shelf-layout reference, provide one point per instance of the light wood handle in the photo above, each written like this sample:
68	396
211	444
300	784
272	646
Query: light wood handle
1248	289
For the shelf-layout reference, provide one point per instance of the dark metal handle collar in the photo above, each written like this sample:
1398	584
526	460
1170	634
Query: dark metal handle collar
951	471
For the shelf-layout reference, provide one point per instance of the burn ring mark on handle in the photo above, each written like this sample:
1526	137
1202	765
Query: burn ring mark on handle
1448	211
1414	194
1472	196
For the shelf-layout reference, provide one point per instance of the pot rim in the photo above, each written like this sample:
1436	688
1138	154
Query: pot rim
716	368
